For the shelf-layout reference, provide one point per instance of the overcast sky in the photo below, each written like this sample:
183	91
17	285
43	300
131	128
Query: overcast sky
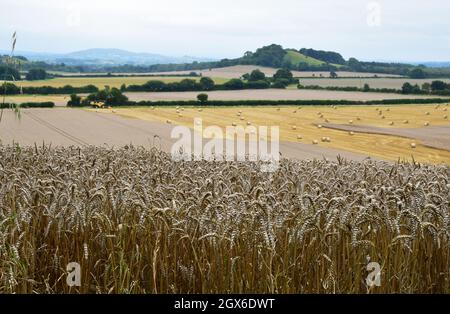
404	30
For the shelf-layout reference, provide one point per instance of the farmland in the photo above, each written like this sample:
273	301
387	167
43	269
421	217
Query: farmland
391	83
266	94
272	94
101	82
239	70
295	122
137	221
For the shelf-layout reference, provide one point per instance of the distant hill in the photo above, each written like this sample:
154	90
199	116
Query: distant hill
273	56
107	57
444	64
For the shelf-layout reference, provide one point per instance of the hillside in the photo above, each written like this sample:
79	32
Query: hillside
295	58
271	56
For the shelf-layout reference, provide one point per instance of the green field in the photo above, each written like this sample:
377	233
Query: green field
296	58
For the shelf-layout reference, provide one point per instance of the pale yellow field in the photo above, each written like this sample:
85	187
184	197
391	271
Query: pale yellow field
60	100
111	81
305	120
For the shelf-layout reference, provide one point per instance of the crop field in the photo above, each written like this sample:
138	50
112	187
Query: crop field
266	94
101	82
308	124
59	100
273	94
238	70
138	222
393	83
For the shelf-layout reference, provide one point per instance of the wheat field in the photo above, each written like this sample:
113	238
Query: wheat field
138	222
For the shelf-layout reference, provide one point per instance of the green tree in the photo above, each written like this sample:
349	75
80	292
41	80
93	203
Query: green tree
36	74
281	83
438	86
154	86
366	87
283	74
256	75
407	88
202	98
234	84
417	73
426	87
354	64
9	73
207	83
75	101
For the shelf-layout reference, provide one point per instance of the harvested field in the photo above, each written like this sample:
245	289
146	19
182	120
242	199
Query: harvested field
307	119
138	222
78	127
267	94
239	70
101	82
59	100
434	136
392	83
272	94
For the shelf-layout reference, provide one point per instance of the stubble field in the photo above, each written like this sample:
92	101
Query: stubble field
309	124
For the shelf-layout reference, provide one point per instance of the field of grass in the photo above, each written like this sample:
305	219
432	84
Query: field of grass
393	83
136	221
303	122
295	58
101	82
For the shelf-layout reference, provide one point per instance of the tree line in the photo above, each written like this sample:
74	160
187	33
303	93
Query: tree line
270	56
13	89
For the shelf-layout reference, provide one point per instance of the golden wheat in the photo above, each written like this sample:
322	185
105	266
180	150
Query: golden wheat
138	222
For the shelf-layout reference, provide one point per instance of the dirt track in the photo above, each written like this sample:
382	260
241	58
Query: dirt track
77	127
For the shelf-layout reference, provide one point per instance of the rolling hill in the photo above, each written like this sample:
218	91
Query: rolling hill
106	57
295	58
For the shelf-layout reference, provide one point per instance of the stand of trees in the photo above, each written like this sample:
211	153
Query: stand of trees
12	89
36	74
8	73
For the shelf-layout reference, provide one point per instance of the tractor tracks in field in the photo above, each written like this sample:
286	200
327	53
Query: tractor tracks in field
149	133
56	129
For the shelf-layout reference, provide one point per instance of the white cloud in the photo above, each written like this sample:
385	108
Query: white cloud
408	30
